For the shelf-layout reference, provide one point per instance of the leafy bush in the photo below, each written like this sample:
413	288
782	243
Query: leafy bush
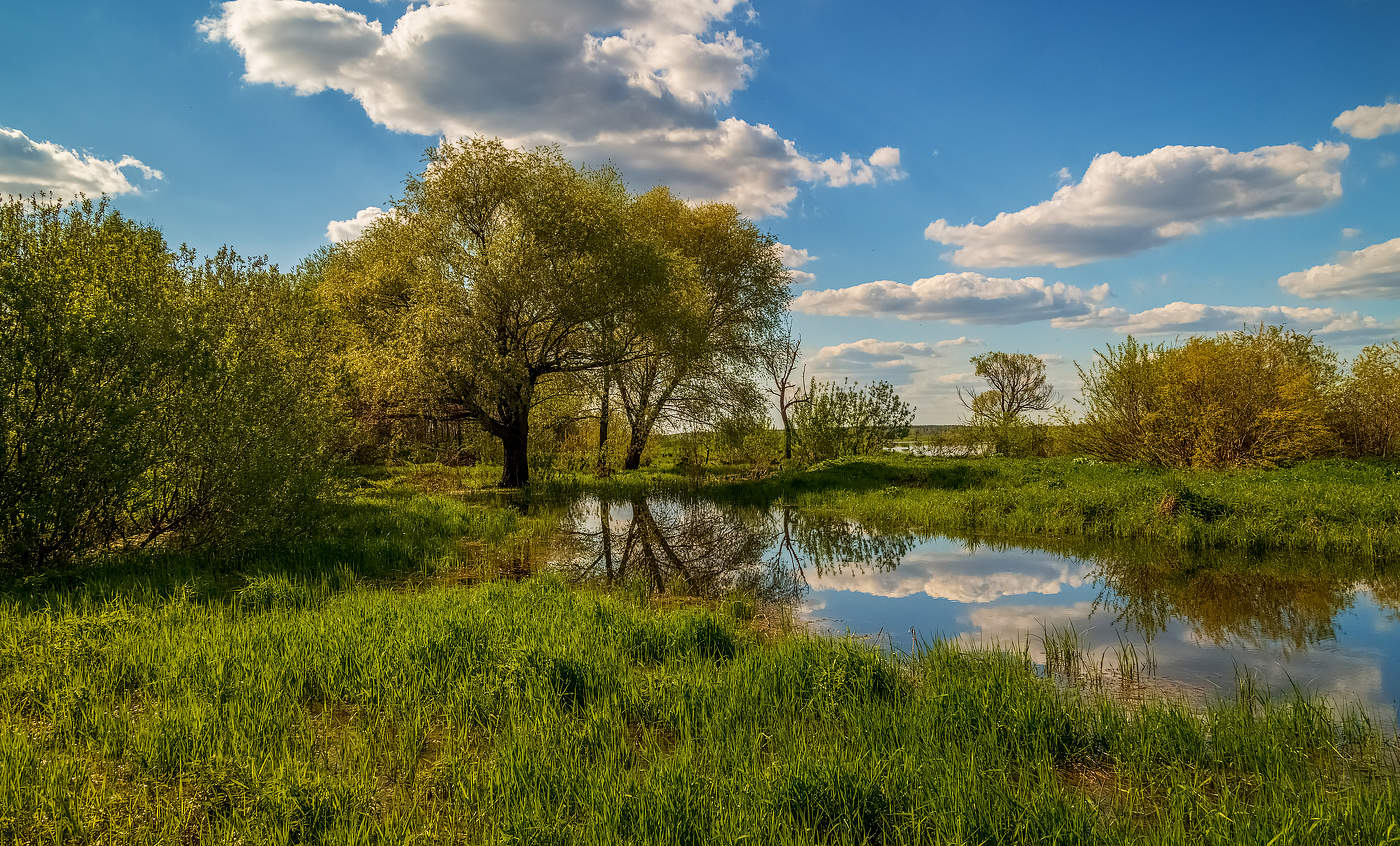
836	420
1245	399
1366	415
143	393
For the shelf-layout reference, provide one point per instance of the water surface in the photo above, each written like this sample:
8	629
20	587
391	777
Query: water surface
1193	620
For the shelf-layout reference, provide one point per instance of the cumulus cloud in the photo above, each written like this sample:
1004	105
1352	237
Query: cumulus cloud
348	230
1350	232
965	297
1125	204
635	83
1189	318
871	358
1370	272
28	166
794	258
1369	121
960	341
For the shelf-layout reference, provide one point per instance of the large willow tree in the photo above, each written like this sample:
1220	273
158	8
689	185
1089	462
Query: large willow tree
489	278
726	292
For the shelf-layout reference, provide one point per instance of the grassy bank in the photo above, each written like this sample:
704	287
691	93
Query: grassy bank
531	712
1339	507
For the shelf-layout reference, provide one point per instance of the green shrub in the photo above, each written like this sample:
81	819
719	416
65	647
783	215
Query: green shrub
144	394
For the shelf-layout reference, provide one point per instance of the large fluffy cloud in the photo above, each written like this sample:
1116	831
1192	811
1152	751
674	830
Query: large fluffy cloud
965	297
634	82
1369	121
1370	272
1197	318
871	358
1125	204
28	166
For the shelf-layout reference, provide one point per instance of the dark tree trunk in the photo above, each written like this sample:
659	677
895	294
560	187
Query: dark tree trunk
787	428
603	413
635	445
516	442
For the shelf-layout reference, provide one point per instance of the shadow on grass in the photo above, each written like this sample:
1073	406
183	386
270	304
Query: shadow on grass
390	535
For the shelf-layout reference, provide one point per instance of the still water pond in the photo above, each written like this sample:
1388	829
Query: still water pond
1193	620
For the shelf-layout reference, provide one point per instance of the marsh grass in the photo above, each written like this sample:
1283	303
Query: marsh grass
358	688
1343	508
534	712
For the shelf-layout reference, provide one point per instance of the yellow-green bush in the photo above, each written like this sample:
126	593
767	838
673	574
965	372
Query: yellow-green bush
1245	399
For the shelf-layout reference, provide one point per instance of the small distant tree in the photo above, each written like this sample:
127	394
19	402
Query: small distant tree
836	420
779	362
996	418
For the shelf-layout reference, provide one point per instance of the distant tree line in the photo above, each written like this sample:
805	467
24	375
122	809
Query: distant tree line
1254	397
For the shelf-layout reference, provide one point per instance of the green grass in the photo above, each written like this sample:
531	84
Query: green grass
366	686
535	713
1337	507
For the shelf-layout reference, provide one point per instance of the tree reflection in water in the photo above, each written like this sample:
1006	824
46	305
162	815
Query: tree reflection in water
701	547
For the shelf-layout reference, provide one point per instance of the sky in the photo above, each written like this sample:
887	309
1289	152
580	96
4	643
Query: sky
947	178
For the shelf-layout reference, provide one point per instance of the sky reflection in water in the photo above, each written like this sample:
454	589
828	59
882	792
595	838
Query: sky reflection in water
1199	617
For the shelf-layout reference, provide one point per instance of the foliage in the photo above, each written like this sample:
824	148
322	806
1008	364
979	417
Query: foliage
843	419
485	282
996	420
1366	414
143	394
693	361
1243	399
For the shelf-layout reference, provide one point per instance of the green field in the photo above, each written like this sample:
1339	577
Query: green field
364	687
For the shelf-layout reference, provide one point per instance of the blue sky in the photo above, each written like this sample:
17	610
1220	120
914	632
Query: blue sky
1232	145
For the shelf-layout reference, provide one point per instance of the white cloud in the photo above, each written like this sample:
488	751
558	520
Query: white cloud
960	341
1063	176
953	378
1125	204
887	158
793	258
631	82
1386	160
871	358
28	166
965	297
1370	272
349	230
1187	318
1350	232
1369	121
